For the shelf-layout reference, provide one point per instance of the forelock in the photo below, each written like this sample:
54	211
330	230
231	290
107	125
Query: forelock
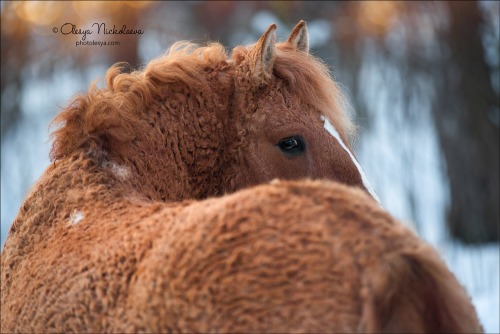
310	80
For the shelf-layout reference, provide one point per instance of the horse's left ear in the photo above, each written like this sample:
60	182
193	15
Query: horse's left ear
263	54
299	38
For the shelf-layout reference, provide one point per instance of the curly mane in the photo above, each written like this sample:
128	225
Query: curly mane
109	115
101	116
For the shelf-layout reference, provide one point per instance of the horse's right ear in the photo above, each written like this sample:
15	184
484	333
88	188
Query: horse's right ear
299	37
263	55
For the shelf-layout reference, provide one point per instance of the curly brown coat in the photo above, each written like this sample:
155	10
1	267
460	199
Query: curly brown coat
114	236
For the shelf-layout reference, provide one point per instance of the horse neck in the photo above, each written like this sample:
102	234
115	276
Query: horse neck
180	154
68	186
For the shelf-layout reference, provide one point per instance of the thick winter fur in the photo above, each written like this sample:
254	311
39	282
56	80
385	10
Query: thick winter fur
286	257
188	125
122	233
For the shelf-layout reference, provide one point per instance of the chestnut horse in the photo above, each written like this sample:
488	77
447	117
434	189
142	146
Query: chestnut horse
196	123
115	235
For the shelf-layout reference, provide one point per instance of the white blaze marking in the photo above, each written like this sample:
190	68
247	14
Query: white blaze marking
329	127
75	217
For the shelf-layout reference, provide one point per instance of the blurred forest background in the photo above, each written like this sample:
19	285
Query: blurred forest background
423	79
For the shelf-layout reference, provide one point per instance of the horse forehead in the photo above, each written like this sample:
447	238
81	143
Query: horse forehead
331	129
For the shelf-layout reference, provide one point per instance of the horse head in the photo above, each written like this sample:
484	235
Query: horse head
197	123
290	116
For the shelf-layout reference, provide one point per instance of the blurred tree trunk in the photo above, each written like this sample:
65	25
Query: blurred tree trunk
469	139
15	56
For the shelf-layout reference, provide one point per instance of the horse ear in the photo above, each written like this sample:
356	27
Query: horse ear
299	38
415	293
264	53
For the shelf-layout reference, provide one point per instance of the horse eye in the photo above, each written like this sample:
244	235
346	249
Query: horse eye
292	146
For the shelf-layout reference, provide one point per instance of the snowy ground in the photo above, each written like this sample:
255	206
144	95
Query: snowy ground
410	182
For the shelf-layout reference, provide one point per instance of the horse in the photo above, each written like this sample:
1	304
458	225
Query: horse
195	123
159	212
